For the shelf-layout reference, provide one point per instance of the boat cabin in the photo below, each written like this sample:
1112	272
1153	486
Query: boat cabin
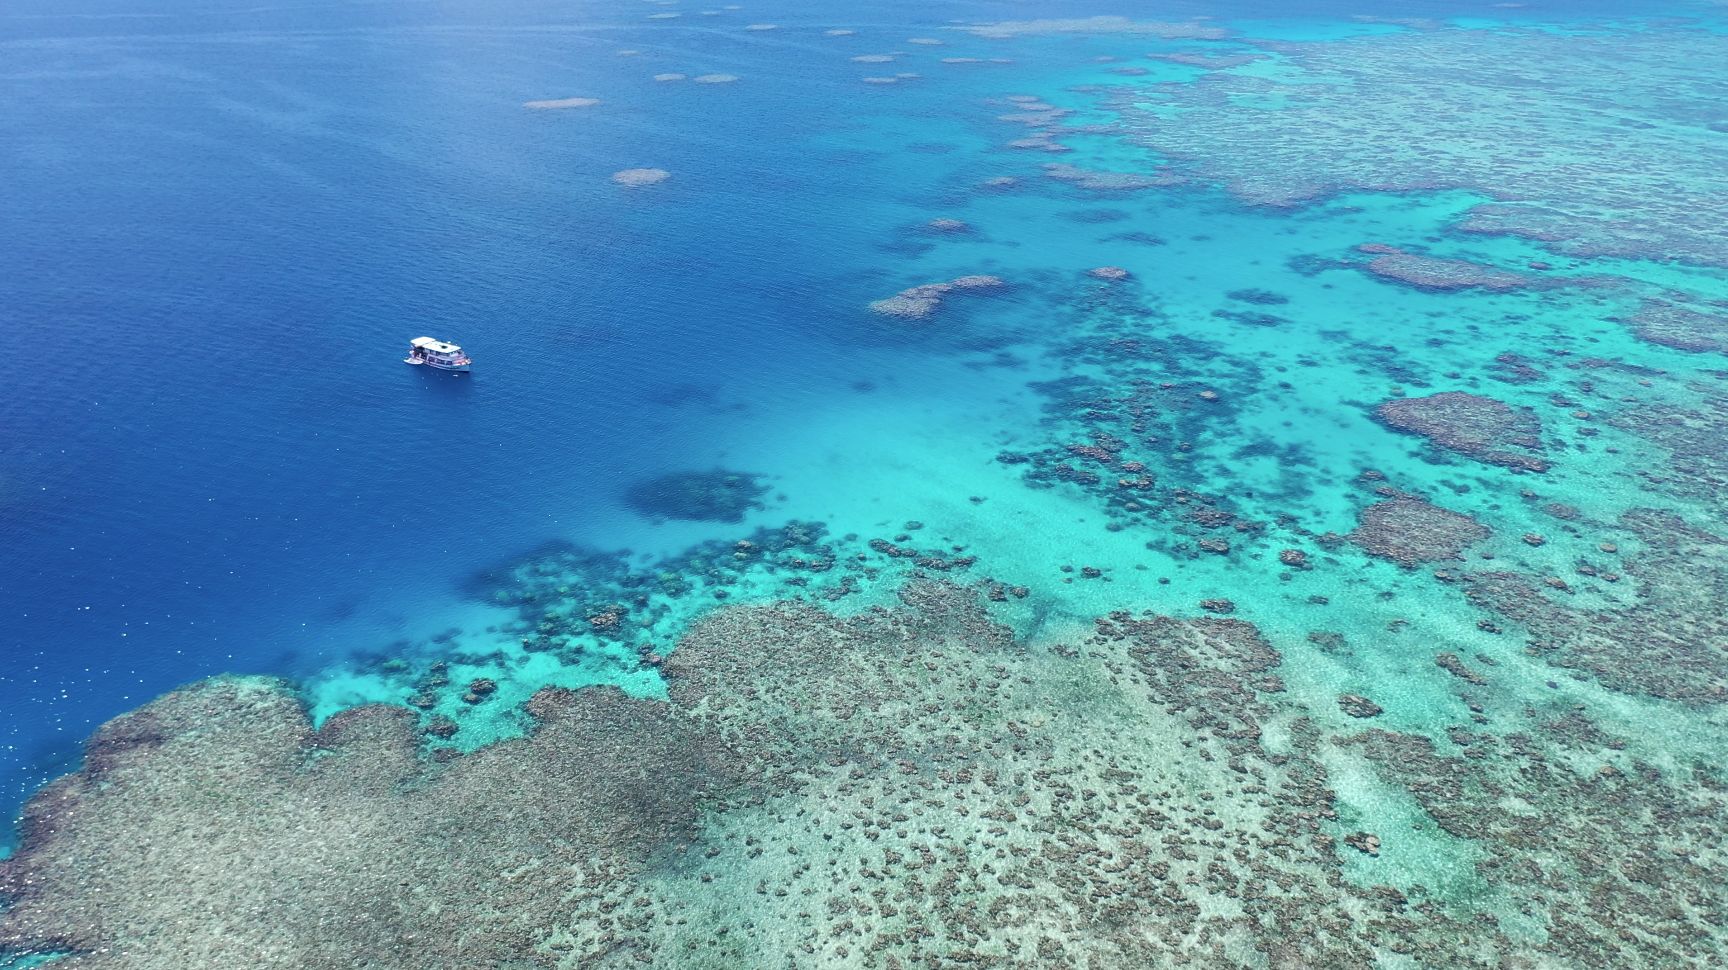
437	353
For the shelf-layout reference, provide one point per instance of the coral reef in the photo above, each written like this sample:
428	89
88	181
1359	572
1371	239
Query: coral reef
1099	25
1409	531
920	302
711	496
1572	169
1472	425
1662	644
222	831
1681	327
1097	181
1433	273
1691	438
1637	835
911	786
1211	62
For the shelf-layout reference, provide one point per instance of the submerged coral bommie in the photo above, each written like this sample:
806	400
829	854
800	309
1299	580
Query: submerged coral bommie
920	302
713	496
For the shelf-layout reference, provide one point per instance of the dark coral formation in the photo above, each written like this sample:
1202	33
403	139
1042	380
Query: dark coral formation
1692	438
1356	705
1682	327
904	787
1667	643
1132	428
570	601
1437	274
1470	424
1643	839
922	301
215	828
711	496
1409	531
1097	181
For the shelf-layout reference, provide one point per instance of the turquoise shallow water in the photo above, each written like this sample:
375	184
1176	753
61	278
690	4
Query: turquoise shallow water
271	200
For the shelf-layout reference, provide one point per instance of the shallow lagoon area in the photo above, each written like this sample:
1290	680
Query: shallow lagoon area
1020	488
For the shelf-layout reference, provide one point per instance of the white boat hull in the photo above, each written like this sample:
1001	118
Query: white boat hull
448	357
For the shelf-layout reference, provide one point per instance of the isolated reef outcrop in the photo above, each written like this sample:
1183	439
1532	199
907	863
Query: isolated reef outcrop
718	495
1102	181
1409	531
1472	425
922	301
906	786
1437	274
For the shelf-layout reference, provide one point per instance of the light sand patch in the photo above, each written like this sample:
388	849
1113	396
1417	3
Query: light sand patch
635	177
716	78
559	103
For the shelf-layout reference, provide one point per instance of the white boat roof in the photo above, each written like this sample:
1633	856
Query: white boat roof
436	346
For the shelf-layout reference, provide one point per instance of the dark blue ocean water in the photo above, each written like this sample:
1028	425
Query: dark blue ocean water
221	222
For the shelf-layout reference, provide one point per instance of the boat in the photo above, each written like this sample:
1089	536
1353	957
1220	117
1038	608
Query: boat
438	354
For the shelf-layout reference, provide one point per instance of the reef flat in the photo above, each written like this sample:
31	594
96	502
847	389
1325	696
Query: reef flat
1619	113
904	787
